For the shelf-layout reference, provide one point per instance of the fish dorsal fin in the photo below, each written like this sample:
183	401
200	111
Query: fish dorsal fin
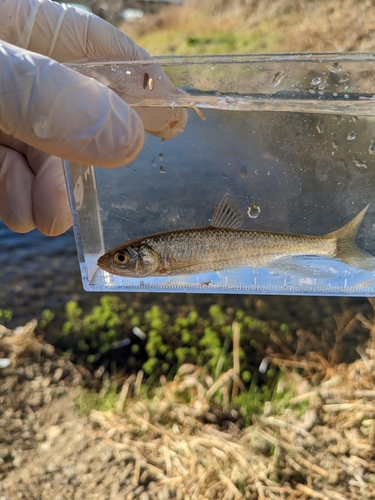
227	214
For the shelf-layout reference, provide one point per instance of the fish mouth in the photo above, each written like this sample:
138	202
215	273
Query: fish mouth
101	262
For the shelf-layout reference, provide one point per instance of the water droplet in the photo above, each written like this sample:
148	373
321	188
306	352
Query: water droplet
355	119
114	67
371	148
316	80
311	91
41	128
229	100
128	72
335	94
243	173
320	128
345	77
154	163
335	67
360	163
162	170
346	96
224	176
163	140
253	210
335	145
352	135
161	157
164	208
278	78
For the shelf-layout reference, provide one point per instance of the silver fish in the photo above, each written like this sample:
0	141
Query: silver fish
224	245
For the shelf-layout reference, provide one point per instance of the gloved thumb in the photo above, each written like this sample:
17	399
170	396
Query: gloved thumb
63	113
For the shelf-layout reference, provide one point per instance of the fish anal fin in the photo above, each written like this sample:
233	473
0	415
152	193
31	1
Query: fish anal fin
227	214
292	266
230	276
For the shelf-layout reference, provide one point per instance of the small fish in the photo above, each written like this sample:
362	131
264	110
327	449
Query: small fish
224	245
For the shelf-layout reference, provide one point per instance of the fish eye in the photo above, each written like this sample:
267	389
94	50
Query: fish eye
121	257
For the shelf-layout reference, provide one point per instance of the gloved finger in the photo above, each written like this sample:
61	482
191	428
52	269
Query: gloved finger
16	180
32	190
49	196
63	113
135	84
66	34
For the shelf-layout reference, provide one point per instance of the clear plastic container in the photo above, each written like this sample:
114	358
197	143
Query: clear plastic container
290	137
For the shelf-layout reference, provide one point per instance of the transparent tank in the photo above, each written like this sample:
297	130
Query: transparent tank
290	137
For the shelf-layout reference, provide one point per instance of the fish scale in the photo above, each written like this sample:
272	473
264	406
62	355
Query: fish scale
214	249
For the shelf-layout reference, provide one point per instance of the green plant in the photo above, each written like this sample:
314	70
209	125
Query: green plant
45	318
95	332
5	316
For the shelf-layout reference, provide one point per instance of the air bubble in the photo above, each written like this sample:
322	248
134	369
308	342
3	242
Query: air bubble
316	81
41	128
128	72
243	173
253	210
352	135
335	145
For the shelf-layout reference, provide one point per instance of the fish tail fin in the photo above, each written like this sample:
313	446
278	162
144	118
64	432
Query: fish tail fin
347	251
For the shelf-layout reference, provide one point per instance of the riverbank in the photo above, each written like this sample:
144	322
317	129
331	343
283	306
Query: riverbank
236	26
59	440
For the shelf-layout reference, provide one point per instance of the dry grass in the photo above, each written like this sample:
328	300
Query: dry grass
189	438
324	452
21	342
235	26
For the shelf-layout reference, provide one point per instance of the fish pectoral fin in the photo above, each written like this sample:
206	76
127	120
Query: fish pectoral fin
227	214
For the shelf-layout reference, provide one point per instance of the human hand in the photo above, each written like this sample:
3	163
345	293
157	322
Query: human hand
48	111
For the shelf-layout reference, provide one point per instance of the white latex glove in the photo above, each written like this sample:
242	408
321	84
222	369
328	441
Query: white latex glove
48	110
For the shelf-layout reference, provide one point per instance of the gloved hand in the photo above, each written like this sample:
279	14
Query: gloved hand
48	110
